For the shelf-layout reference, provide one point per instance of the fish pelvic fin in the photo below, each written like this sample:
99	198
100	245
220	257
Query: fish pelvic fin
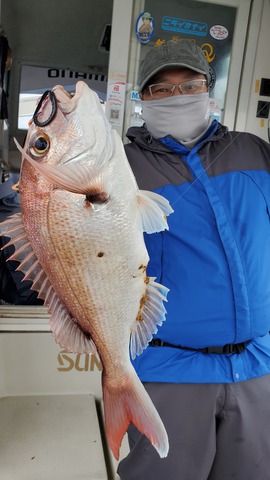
65	330
151	315
128	402
153	210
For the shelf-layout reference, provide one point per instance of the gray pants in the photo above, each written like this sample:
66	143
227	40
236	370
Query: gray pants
216	432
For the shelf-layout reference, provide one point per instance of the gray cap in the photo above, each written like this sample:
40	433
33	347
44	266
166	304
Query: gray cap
172	54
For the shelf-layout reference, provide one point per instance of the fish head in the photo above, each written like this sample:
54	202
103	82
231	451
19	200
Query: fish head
69	128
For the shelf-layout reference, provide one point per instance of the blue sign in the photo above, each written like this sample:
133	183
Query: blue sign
134	95
184	26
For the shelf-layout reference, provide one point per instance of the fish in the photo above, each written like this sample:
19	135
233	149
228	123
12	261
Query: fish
79	239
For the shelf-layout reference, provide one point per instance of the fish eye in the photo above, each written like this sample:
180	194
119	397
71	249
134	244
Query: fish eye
39	145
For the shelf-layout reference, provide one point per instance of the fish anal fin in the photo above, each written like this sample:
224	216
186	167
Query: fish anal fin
151	315
128	402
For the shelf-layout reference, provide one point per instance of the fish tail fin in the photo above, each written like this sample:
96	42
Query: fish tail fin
130	403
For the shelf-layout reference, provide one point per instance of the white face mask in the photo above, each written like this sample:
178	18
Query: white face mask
185	117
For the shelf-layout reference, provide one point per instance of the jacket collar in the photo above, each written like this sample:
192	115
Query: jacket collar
144	139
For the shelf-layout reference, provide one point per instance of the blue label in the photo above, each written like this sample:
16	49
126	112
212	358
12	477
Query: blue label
134	95
184	26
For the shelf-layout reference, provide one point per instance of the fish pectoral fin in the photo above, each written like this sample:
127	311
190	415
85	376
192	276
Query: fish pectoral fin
153	211
74	177
151	315
66	331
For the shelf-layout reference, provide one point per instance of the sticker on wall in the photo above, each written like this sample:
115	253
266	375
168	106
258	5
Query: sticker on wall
116	98
134	95
215	108
144	27
218	32
182	25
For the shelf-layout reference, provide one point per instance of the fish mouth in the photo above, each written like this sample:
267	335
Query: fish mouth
66	101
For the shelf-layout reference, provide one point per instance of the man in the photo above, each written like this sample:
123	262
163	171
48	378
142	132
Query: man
207	369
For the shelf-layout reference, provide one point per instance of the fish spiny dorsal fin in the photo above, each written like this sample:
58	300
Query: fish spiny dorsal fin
13	223
14	229
151	315
29	264
66	332
153	210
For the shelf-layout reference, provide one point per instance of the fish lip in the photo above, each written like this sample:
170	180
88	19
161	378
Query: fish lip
66	102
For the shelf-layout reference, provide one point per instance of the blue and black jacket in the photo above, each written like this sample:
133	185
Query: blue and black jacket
215	257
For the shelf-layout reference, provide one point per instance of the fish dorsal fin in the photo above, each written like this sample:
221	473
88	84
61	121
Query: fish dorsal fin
14	229
66	331
29	264
153	211
151	315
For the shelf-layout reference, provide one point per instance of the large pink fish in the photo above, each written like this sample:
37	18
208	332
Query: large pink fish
79	238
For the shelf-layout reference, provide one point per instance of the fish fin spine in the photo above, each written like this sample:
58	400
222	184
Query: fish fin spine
29	264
